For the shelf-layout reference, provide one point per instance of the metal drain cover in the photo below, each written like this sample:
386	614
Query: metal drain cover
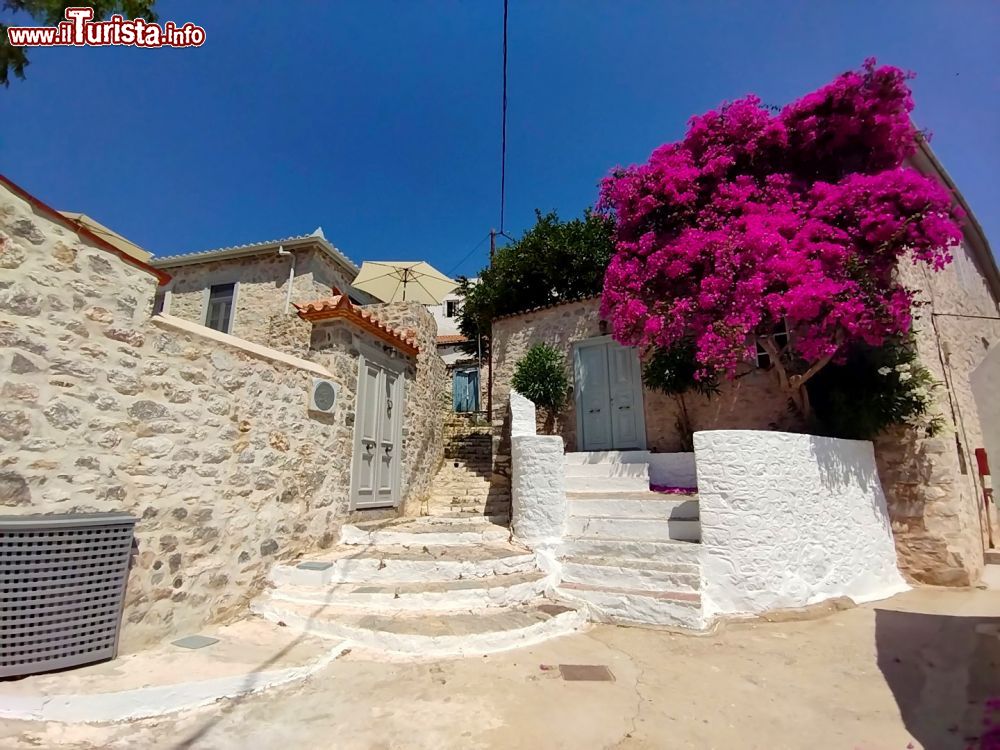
194	641
586	673
314	565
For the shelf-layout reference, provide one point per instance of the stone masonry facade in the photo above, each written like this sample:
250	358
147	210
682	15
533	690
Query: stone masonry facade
205	438
262	290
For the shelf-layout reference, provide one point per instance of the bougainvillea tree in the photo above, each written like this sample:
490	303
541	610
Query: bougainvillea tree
762	219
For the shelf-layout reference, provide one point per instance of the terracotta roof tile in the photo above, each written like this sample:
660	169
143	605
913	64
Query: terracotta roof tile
451	338
340	306
581	298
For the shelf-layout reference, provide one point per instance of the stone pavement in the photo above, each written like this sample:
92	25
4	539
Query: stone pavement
914	669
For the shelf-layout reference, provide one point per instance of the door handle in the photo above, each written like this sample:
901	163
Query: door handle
369	446
624	407
594	411
388	450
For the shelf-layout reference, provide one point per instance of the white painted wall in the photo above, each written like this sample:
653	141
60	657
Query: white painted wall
672	469
538	480
446	325
789	520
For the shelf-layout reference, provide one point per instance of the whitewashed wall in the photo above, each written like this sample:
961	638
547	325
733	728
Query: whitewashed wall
672	469
789	520
538	479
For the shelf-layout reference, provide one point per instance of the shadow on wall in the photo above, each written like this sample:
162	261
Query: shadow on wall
837	473
944	673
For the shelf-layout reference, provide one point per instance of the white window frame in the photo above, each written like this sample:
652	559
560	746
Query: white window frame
207	296
759	352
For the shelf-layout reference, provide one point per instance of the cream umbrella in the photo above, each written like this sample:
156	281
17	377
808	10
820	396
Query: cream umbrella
409	281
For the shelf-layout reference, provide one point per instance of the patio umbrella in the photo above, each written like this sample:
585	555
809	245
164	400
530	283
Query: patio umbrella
409	281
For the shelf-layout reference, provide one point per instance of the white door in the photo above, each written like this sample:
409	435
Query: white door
375	478
608	396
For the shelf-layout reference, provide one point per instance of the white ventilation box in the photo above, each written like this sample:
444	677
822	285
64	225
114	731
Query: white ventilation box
323	395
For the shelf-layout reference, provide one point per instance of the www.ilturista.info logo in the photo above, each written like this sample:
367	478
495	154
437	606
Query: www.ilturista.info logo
81	30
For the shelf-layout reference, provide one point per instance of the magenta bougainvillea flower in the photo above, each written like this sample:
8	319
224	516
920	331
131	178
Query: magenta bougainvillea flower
759	217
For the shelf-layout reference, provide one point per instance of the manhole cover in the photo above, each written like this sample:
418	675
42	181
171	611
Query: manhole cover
195	641
586	673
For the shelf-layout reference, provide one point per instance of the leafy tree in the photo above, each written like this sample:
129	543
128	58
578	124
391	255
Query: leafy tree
553	262
50	13
540	375
874	388
672	372
758	218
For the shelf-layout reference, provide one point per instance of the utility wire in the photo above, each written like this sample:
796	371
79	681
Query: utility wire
469	254
503	124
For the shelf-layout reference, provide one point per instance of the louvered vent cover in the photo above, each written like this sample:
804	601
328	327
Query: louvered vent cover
62	585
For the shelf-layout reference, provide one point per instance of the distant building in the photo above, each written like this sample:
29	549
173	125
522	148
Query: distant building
462	365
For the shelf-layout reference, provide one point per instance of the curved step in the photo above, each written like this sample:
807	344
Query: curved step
629	606
433	636
441	596
405	564
423	531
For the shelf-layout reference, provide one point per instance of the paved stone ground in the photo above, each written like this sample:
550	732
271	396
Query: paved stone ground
913	671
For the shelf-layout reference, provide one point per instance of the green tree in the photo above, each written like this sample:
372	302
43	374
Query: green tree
552	262
540	375
50	13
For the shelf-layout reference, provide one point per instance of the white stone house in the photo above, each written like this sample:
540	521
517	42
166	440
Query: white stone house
466	381
933	490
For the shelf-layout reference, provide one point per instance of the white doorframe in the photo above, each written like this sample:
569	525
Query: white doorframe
637	382
366	356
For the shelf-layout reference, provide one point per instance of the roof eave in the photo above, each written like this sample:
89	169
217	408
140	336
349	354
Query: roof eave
212	256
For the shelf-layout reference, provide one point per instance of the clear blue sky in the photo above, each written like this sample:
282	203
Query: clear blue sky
380	120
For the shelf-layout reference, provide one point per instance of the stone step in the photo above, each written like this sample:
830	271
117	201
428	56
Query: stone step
443	596
607	457
680	609
632	505
603	485
602	471
622	573
431	635
992	557
349	564
639	529
500	519
632	549
470	509
420	531
468	493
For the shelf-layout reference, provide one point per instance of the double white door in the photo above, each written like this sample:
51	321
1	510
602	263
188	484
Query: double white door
608	396
376	471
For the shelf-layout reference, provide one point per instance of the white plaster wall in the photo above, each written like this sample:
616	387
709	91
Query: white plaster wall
538	479
672	469
789	520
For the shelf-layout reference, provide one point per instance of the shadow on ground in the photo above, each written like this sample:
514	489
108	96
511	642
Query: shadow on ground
944	672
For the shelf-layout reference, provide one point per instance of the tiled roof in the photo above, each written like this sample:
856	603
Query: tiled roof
451	338
581	298
341	307
220	253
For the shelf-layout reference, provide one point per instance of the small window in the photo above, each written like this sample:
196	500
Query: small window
219	315
159	300
450	308
780	338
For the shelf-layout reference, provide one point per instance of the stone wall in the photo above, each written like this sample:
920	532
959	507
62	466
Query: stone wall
262	292
206	438
932	488
426	408
789	520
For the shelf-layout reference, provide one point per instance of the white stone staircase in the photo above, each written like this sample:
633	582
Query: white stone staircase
629	555
420	587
